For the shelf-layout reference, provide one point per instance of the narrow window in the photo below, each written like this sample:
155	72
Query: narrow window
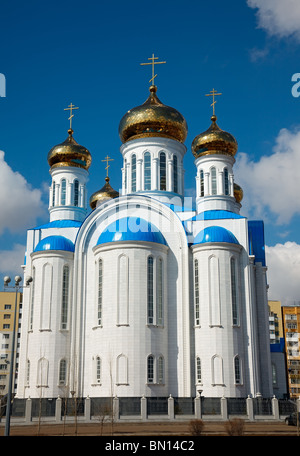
125	177
160	369
133	173
201	182
274	374
237	370
150	290
159	297
150	369
100	290
213	181
76	193
197	310
147	171
226	182
65	297
63	192
175	174
32	299
198	370
62	372
98	369
53	194
234	291
162	168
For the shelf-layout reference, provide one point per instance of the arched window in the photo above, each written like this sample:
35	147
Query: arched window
100	291
198	370
234	302
162	171
76	193
226	182
150	297
201	182
147	171
133	173
98	369
196	279
160	369
65	298
53	193
175	173
213	176
150	369
159	297
237	371
62	372
63	192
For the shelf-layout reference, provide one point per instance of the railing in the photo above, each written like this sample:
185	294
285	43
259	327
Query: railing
154	408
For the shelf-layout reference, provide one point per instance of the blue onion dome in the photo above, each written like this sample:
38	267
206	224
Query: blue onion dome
215	234
214	141
69	153
131	229
55	243
153	118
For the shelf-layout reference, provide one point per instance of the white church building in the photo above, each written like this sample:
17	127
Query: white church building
144	292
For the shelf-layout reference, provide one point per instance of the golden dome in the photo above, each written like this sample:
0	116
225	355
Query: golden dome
69	153
104	194
238	192
153	118
214	141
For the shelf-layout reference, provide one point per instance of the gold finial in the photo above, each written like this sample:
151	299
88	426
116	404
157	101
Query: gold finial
70	108
213	94
152	63
107	159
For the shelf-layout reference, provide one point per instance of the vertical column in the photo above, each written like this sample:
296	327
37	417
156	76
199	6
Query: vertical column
154	174
139	162
170	185
206	183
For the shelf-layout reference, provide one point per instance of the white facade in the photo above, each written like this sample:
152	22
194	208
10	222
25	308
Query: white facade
179	311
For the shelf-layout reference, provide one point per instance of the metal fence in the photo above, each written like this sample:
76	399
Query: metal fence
137	408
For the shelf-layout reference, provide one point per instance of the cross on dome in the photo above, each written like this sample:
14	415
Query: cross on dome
153	62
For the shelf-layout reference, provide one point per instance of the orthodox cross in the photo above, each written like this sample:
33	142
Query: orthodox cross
213	94
153	62
107	159
70	108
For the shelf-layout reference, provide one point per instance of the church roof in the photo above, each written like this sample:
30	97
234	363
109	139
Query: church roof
55	243
215	234
131	229
216	214
60	224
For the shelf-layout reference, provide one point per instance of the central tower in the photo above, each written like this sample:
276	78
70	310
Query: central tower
153	136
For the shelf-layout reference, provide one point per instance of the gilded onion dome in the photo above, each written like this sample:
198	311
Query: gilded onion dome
69	153
153	118
214	141
238	192
104	194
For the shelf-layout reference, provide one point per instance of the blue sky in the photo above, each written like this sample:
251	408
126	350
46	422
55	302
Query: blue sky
89	53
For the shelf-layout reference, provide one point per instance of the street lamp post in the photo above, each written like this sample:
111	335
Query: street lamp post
16	287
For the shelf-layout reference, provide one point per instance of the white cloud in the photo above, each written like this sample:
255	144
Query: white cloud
20	205
278	17
11	260
283	261
271	185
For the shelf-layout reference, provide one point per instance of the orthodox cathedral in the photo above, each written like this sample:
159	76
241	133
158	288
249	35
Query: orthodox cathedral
140	293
